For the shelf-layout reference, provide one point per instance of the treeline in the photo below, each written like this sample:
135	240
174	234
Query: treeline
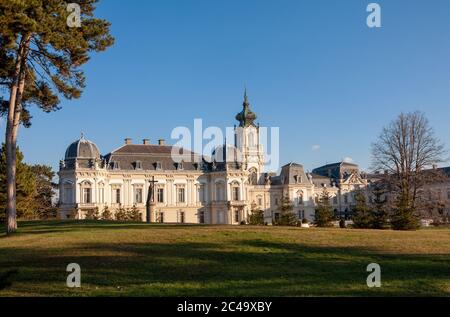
34	189
383	211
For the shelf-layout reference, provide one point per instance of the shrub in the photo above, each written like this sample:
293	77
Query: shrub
133	214
342	224
106	214
256	218
121	214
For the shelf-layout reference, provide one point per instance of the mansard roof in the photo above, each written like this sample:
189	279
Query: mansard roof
336	170
148	157
293	173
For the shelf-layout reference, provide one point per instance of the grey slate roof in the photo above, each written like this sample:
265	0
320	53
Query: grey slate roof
336	171
129	156
82	148
293	173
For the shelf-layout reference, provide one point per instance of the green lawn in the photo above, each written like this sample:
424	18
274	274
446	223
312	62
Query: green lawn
128	259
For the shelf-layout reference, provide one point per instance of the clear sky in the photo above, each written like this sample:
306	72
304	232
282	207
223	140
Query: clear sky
312	68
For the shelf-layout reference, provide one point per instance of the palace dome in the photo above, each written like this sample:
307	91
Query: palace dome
82	148
227	154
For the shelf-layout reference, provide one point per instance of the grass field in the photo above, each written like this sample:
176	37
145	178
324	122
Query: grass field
128	259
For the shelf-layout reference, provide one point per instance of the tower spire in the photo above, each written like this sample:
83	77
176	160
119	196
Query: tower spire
246	117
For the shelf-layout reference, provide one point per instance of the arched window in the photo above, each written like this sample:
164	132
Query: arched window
253	177
251	140
220	191
235	191
86	192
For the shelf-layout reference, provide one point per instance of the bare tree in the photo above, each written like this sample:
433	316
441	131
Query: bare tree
405	149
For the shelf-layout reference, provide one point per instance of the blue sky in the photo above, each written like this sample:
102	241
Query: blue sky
312	68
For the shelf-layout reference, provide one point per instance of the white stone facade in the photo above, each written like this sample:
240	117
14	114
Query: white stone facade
217	193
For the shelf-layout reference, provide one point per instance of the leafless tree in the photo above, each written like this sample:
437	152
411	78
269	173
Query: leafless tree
406	152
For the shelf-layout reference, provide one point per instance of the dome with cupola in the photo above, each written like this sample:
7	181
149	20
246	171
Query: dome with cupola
82	148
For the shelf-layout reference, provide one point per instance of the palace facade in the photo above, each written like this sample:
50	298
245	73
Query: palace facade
223	190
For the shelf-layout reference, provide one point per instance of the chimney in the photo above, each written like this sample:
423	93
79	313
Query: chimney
146	141
161	142
128	141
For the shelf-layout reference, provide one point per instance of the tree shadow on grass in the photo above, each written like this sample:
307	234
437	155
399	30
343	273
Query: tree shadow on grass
251	267
61	226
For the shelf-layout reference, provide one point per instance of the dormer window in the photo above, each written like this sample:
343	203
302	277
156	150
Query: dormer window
116	165
138	165
158	166
180	166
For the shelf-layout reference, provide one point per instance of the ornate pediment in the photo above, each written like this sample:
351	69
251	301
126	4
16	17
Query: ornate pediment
353	178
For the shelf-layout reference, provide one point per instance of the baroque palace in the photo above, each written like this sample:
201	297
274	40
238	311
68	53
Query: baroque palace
223	190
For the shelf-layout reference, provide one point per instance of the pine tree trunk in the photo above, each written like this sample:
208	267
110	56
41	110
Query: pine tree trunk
12	127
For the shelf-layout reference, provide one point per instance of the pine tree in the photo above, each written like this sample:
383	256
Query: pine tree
324	211
362	215
287	216
379	208
40	60
44	191
403	216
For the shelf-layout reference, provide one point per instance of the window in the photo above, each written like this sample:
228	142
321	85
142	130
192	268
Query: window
251	140
117	195
299	198
182	217
301	214
448	193
160	194
201	193
201	217
87	195
253	178
158	165
180	166
68	199
345	199
276	201
260	201
277	216
235	193
219	192
116	165
138	195
335	200
138	165
236	216
181	195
